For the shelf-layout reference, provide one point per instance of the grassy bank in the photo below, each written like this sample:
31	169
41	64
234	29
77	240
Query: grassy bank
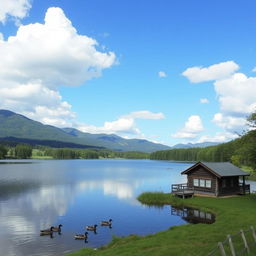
232	214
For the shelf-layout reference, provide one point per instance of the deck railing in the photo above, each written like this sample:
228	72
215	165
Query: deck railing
244	189
181	187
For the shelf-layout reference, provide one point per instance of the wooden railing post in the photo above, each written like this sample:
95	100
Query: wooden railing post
222	251
253	233
232	249
245	242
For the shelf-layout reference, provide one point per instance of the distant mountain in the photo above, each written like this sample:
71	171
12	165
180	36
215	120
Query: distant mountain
15	126
196	145
115	142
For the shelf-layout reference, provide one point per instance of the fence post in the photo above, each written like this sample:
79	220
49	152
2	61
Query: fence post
245	242
232	249
253	233
222	251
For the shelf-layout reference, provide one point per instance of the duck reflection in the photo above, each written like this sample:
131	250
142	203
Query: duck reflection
193	216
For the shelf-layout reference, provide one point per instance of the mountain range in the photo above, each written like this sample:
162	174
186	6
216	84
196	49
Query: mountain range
19	128
16	127
196	145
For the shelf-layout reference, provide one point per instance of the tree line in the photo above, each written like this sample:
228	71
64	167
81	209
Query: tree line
25	151
241	151
67	153
20	151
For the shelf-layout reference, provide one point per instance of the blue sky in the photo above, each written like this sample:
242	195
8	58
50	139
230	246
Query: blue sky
168	71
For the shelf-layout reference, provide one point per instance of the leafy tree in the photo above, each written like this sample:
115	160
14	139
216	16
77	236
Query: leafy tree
23	151
251	119
3	152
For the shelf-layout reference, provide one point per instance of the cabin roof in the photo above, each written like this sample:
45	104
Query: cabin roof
219	169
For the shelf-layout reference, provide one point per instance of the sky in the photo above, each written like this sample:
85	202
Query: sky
167	71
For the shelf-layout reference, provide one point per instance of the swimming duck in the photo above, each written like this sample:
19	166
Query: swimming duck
57	228
81	236
46	232
106	223
91	228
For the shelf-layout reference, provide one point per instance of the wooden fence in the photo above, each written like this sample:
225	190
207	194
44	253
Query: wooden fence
242	243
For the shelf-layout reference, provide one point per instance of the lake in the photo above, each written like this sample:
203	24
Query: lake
37	194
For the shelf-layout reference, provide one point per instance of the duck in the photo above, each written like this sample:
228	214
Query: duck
57	228
91	228
81	236
46	232
106	223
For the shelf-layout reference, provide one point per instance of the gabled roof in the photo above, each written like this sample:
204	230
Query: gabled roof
219	169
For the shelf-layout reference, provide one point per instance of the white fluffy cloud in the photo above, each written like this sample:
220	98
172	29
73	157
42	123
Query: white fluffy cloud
126	124
145	114
235	93
218	137
204	101
229	122
213	72
14	8
41	57
192	127
162	74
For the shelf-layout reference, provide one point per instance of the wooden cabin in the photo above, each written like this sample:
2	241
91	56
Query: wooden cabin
214	179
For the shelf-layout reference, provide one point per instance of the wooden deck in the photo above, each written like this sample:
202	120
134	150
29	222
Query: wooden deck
182	190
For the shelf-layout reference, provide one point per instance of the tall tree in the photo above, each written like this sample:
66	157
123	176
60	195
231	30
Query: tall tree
251	119
23	151
3	152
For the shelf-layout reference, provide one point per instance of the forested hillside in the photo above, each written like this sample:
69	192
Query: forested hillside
18	128
241	151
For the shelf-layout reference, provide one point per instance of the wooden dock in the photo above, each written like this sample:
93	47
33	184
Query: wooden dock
182	190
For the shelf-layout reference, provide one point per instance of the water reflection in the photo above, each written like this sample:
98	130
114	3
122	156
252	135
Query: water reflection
193	216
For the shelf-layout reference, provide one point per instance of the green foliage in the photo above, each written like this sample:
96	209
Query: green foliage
67	153
3	152
241	151
23	151
251	119
236	160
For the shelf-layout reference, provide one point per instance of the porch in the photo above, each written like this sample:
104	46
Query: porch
182	190
244	189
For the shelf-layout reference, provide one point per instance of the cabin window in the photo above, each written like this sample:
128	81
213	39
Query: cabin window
208	216
208	183
196	213
202	183
231	183
224	183
196	182
202	215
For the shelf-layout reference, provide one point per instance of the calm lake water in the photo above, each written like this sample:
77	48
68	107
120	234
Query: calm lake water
37	194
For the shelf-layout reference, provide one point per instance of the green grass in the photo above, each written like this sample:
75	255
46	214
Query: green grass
232	214
39	154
